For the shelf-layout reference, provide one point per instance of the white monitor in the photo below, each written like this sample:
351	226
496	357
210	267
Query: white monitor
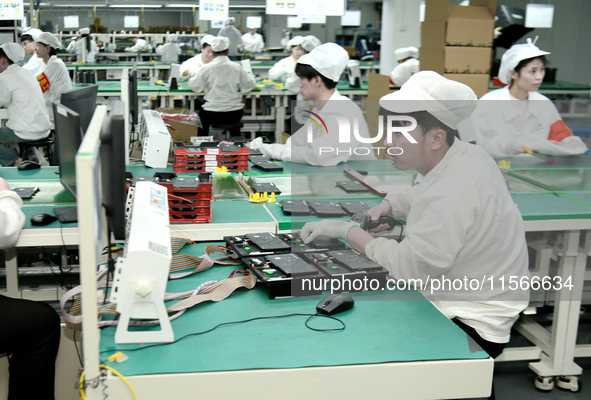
71	22
174	72
311	7
254	22
11	10
351	18
313	19
539	15
294	22
131	21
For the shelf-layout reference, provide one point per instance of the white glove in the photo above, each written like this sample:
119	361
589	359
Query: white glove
572	142
513	148
333	229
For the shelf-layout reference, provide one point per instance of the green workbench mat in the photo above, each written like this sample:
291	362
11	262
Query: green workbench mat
533	163
556	180
549	206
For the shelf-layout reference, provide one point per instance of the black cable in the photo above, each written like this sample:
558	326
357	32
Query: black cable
77	350
310	316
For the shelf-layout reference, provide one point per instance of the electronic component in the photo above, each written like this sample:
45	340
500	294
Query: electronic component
267	166
352	186
26	192
267	241
265	187
321	243
351	207
137	179
354	260
326	209
257	158
295	207
257	244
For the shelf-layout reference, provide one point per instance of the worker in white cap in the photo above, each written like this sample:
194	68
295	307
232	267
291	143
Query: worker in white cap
308	44
234	36
35	64
408	64
139	44
55	78
190	67
84	47
220	80
252	41
319	73
461	222
21	95
522	116
285	67
171	50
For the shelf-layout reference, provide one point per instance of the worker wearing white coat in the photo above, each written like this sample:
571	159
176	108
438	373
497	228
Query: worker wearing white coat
252	41
189	68
461	223
84	47
319	72
407	65
234	36
170	51
139	44
55	79
21	95
517	115
285	67
12	219
220	80
35	64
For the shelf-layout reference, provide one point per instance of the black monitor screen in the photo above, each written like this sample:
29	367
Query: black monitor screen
82	101
113	186
133	100
68	137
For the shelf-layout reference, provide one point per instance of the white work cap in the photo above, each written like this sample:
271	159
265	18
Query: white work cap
220	43
295	41
13	51
49	39
406	52
310	42
84	31
328	59
33	32
230	21
449	101
515	55
172	37
207	39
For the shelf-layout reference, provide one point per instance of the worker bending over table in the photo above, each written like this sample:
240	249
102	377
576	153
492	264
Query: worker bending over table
285	67
21	95
408	64
189	68
35	64
252	41
220	80
30	332
171	50
517	115
139	44
461	223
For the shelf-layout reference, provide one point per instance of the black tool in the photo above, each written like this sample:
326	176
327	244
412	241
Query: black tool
26	165
365	222
42	219
265	187
335	303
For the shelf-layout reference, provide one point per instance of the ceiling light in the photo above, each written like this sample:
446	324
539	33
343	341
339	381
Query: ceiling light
135	5
183	5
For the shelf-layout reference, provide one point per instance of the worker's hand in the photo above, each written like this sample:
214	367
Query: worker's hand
186	72
333	229
226	142
384	209
572	143
3	185
513	148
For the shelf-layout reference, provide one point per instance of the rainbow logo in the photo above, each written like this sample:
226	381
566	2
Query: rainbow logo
316	122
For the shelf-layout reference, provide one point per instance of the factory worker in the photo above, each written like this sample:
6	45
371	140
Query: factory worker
84	47
55	79
308	44
70	46
220	80
517	114
35	64
461	223
21	95
407	65
319	72
252	41
234	36
284	67
189	68
30	330
170	51
139	44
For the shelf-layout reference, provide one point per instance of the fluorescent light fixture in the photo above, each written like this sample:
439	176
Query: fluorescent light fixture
135	5
79	5
183	5
247	6
539	15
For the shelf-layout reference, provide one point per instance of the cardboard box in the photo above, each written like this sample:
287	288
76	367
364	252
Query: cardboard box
433	33
470	26
490	4
466	60
480	83
432	58
180	131
436	10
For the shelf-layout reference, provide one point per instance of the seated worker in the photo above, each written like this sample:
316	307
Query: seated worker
285	67
407	65
252	41
189	68
139	44
21	95
220	80
35	64
55	78
461	222
233	35
308	44
30	331
501	127
170	51
84	44
319	72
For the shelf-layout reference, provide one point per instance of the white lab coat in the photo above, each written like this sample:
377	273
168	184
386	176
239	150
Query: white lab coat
253	43
220	80
461	223
21	94
35	65
402	72
233	35
170	52
140	45
282	69
193	65
297	149
80	46
12	219
498	120
59	82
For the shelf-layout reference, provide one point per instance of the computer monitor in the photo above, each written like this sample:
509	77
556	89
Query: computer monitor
83	102
133	99
113	184
68	137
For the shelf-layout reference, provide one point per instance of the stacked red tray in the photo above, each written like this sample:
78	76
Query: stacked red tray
189	199
191	159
